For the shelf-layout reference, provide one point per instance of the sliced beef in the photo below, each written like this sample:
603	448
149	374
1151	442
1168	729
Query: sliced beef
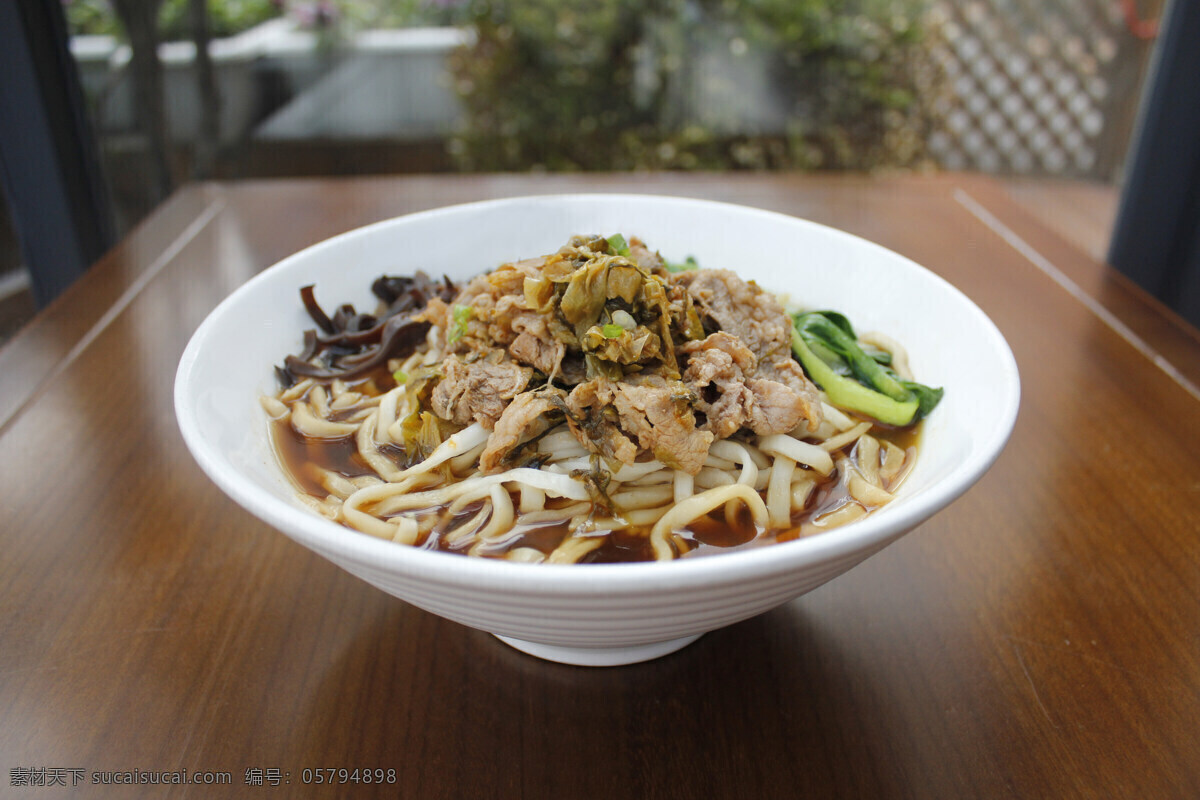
773	407
742	309
534	345
529	414
718	358
786	371
540	353
734	391
595	423
659	413
477	391
655	412
716	371
759	322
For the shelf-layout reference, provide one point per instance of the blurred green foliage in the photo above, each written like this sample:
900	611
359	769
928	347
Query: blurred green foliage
91	18
377	14
638	84
621	84
227	17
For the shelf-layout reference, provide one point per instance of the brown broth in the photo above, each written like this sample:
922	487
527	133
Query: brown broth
299	454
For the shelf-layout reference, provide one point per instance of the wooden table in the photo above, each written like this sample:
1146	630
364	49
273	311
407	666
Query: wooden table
1039	639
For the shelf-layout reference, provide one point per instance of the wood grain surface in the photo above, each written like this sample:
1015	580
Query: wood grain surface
1038	639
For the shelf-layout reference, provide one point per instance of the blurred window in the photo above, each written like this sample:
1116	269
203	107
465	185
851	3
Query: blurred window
311	87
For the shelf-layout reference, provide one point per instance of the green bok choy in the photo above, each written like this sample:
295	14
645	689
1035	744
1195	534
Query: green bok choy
854	376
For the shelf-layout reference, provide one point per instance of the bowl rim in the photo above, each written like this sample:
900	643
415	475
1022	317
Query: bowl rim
335	541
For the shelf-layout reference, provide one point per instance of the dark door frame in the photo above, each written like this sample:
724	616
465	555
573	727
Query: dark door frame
49	159
1156	237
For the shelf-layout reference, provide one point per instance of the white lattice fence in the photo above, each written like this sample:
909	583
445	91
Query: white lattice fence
1033	87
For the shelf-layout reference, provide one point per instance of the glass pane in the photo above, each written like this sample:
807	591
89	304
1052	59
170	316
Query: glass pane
347	86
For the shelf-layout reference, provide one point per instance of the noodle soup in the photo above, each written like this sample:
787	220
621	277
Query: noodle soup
597	404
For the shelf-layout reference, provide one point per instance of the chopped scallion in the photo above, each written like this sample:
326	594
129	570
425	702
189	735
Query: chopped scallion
618	246
461	316
611	330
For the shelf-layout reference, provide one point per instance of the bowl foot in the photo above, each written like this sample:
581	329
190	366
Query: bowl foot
599	656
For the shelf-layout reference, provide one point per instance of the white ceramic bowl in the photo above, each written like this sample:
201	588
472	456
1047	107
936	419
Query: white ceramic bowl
619	613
